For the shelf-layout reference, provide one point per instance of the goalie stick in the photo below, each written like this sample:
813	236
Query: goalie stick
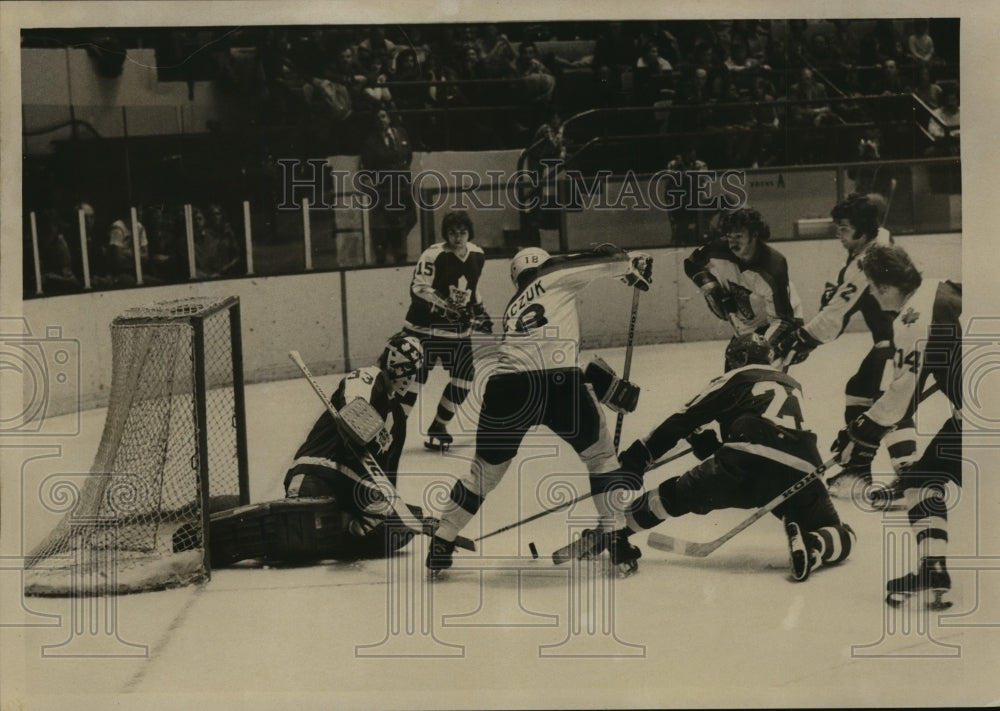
628	359
578	499
373	468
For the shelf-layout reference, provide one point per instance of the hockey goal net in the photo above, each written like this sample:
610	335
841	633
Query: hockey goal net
173	450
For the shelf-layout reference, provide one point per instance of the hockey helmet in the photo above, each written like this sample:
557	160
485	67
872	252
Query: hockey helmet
525	260
402	358
748	349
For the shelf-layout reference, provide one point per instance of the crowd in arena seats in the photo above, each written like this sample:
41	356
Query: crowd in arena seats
741	94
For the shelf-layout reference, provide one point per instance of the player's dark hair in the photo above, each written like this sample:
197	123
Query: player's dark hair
748	349
745	217
458	218
863	212
890	265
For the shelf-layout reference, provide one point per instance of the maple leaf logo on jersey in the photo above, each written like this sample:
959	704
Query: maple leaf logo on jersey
910	316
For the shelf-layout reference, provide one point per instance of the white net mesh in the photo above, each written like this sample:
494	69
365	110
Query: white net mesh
172	421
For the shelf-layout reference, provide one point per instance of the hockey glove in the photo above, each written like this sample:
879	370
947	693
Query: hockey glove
857	443
636	458
798	343
620	395
720	301
481	322
447	312
640	271
704	443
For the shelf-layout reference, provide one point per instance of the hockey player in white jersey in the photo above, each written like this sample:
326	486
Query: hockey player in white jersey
538	381
857	221
928	342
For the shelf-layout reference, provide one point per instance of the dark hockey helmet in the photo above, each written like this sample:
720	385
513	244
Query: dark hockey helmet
744	217
457	219
402	358
748	349
863	212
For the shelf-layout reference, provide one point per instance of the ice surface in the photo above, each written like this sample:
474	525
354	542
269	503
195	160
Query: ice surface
730	629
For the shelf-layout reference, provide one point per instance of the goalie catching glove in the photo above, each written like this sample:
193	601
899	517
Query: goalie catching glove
857	443
640	271
359	423
620	395
720	302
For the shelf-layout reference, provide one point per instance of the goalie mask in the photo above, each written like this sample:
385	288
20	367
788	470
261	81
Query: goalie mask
402	358
526	260
748	349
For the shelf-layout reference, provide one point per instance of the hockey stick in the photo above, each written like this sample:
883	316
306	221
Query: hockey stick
888	202
663	542
578	499
628	359
372	466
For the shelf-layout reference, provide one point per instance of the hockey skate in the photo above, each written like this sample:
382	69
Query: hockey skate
887	498
931	582
624	556
851	484
802	559
439	556
589	545
438	437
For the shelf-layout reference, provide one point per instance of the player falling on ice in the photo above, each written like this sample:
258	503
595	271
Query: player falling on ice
445	308
743	279
928	342
857	221
371	417
764	450
537	381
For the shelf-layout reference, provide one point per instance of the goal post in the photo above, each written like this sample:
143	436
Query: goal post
173	450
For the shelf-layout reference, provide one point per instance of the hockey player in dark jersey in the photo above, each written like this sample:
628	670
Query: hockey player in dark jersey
537	381
928	342
764	450
445	309
744	280
857	221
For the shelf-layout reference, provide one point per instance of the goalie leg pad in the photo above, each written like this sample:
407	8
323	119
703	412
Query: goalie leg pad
620	395
284	530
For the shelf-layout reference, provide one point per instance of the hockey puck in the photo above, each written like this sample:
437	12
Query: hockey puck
534	551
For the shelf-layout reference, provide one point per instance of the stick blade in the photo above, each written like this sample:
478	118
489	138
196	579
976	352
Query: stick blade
663	542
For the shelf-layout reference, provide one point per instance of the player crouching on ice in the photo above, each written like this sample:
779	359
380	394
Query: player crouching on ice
764	450
328	483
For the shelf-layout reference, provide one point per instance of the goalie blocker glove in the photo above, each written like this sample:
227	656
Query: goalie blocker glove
857	443
620	395
361	424
799	342
720	301
640	271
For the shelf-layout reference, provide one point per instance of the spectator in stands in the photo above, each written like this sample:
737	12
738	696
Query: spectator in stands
926	89
214	254
653	80
889	46
55	257
739	59
547	145
538	82
845	44
821	54
614	55
684	217
387	152
667	44
808	89
121	249
377	44
496	53
888	81
407	70
945	124
871	176
758	42
920	46
375	66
